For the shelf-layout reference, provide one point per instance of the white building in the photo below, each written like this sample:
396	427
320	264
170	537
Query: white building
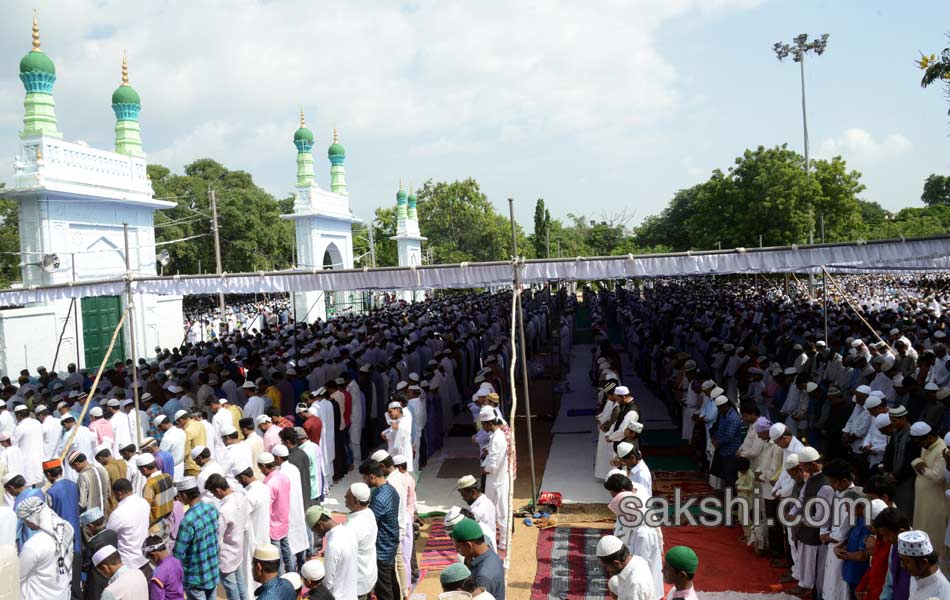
408	239
73	202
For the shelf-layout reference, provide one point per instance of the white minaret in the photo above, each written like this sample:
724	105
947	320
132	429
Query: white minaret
408	239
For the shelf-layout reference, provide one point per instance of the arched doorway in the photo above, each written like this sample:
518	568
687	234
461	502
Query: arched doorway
332	259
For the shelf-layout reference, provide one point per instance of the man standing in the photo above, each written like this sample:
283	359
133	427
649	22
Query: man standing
92	482
254	441
159	492
811	549
384	504
197	543
482	508
235	515
130	521
339	553
46	558
173	442
167	572
633	573
495	468
487	569
93	523
28	437
164	460
297	537
929	485
679	567
898	458
363	524
265	569
258	496
83	440
918	558
727	439
124	583
63	498
279	511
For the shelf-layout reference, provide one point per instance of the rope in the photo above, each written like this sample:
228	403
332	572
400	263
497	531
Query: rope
95	385
511	425
857	311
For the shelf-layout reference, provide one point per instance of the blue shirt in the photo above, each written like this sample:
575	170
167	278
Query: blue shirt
728	434
166	462
171	407
489	573
277	588
23	533
853	570
64	500
384	502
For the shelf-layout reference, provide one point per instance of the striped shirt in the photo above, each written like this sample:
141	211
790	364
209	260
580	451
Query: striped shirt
384	503
197	546
160	493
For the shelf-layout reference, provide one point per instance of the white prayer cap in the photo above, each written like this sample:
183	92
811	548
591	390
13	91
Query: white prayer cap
266	552
196	451
247	385
613	472
466	482
608	545
379	455
716	392
808	455
898	380
487	413
265	458
624	448
776	431
943	393
228	429
940	334
9	477
635	426
857	343
174	388
863	390
187	483
103	553
721	400
622	390
791	461
401	386
790	371
95	412
888	364
280	450
262	419
931	387
393	405
898	411
159	420
360	491
313	410
919	429
294	579
181	414
882	420
877	505
453	517
399	459
708	385
313	570
239	467
914	543
810	387
872	402
145	460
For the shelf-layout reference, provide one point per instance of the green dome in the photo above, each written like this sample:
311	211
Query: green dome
336	149
125	94
36	61
303	134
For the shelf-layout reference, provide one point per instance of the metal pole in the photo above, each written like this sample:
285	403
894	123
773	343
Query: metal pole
824	280
76	314
372	246
804	118
131	309
217	243
524	363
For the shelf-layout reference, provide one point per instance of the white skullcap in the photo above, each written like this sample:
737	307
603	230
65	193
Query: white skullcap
877	505
863	390
265	458
280	450
622	390
159	420
187	483
613	472
393	405
808	455
399	459
144	460
776	431
95	411
293	578
790	371
196	451
180	414
857	343
920	429
721	400
872	402
624	448
360	491
636	427
882	420
379	455
914	543
103	553
262	419
453	517
487	413
708	385
716	392
466	482
608	545
931	387
227	430
313	570
266	552
810	387
791	461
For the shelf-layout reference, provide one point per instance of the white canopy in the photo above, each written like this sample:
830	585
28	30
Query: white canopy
885	255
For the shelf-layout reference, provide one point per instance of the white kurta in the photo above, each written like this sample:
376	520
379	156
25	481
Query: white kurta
647	543
327	434
39	572
636	581
173	442
340	562
297	535
28	437
258	498
484	512
399	441
51	431
497	484
605	450
363	525
121	431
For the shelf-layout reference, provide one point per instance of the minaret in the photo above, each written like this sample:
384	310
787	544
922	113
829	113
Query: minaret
303	140
38	74
337	155
126	105
402	211
411	212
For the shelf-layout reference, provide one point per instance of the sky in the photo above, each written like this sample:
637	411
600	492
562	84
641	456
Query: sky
599	108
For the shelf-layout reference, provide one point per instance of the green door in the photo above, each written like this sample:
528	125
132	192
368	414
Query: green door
99	318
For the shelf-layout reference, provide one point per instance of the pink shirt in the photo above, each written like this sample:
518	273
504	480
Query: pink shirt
687	594
271	437
410	494
279	504
103	429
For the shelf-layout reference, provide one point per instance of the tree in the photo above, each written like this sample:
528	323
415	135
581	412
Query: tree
936	69
936	190
542	224
838	201
253	236
671	227
9	241
462	225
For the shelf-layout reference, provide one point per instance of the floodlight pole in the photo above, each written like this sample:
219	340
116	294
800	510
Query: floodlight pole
131	317
519	314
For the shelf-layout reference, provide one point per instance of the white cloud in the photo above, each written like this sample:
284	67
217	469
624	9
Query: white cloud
858	146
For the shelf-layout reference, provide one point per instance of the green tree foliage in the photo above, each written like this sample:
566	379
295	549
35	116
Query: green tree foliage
936	190
542	224
462	224
253	236
936	69
9	241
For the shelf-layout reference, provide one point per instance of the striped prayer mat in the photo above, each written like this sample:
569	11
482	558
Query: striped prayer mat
439	551
568	567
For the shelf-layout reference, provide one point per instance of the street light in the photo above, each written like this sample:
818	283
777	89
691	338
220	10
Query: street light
217	240
797	49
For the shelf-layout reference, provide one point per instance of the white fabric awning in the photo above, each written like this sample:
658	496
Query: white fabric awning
886	255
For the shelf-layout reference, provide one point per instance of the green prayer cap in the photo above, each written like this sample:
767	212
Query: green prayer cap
314	513
454	573
682	558
467	530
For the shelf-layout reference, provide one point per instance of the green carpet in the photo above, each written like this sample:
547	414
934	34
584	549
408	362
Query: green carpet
672	463
668	438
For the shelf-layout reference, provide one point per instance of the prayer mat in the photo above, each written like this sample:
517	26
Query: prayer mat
692	484
462	430
668	438
568	567
439	551
584	513
671	463
453	468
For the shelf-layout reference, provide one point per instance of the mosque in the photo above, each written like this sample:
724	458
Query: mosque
76	201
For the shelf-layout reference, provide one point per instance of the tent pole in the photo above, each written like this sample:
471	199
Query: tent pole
131	309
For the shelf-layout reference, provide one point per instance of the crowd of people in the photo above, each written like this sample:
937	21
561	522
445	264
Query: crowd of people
213	475
783	396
